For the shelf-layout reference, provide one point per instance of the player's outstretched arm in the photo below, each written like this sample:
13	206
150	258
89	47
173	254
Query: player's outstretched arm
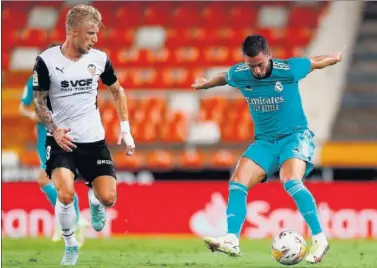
120	99
320	62
24	111
217	80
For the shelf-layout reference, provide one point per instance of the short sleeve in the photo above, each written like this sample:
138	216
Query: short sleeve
41	76
230	77
108	76
300	67
27	96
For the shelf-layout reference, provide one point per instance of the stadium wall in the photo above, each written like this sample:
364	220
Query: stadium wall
322	90
171	208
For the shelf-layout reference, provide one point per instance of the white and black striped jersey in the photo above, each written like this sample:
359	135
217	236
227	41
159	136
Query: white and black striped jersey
73	87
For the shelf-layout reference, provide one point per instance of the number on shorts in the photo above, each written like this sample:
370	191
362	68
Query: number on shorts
48	149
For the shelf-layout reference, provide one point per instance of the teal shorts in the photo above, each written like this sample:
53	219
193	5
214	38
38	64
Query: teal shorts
270	155
41	144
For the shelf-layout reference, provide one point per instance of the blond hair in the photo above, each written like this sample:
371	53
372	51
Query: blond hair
80	13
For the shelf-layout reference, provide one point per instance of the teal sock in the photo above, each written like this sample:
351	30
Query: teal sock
77	208
50	192
237	207
305	203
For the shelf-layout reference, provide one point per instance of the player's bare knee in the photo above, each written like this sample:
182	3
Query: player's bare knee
66	196
43	179
108	199
42	182
284	179
239	179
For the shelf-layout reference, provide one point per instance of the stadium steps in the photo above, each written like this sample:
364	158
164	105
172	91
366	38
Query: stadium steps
357	117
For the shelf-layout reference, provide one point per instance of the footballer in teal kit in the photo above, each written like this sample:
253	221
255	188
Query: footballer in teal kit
283	141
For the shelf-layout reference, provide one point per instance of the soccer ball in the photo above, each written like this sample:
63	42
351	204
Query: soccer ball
288	248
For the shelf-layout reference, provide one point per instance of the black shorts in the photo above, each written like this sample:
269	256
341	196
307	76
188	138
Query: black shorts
90	160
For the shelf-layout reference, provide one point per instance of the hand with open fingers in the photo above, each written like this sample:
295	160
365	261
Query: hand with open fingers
339	55
125	134
199	83
63	140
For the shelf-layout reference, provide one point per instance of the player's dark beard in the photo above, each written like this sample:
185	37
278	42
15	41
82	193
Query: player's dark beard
267	73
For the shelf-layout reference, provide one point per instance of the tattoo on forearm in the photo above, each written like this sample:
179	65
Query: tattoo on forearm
40	99
116	94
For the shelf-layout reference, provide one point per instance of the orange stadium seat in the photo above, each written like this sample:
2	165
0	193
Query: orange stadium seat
174	128
130	14
242	15
175	77
124	161
157	15
215	14
303	16
297	36
159	56
216	55
5	58
57	35
191	159
223	159
145	132
33	38
14	17
186	55
30	159
159	159
187	15
116	38
223	36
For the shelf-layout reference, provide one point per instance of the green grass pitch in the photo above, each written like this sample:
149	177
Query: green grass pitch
173	252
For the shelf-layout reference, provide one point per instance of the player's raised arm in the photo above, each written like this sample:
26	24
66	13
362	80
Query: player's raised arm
218	79
320	62
110	80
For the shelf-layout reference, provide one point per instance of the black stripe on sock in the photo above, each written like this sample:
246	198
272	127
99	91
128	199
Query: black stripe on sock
68	235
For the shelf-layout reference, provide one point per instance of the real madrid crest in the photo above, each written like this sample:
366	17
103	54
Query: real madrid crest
278	86
92	69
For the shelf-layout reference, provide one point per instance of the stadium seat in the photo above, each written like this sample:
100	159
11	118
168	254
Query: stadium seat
187	15
303	16
159	159
124	161
30	159
33	38
191	159
215	14
223	158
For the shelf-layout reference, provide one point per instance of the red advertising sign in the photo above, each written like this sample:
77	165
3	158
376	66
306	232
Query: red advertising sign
348	210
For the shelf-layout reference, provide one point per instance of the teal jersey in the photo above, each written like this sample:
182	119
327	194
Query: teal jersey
275	101
27	96
27	100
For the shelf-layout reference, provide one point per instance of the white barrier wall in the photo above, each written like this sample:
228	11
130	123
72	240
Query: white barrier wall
322	89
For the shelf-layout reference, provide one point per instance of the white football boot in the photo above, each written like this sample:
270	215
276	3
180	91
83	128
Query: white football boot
228	244
319	248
